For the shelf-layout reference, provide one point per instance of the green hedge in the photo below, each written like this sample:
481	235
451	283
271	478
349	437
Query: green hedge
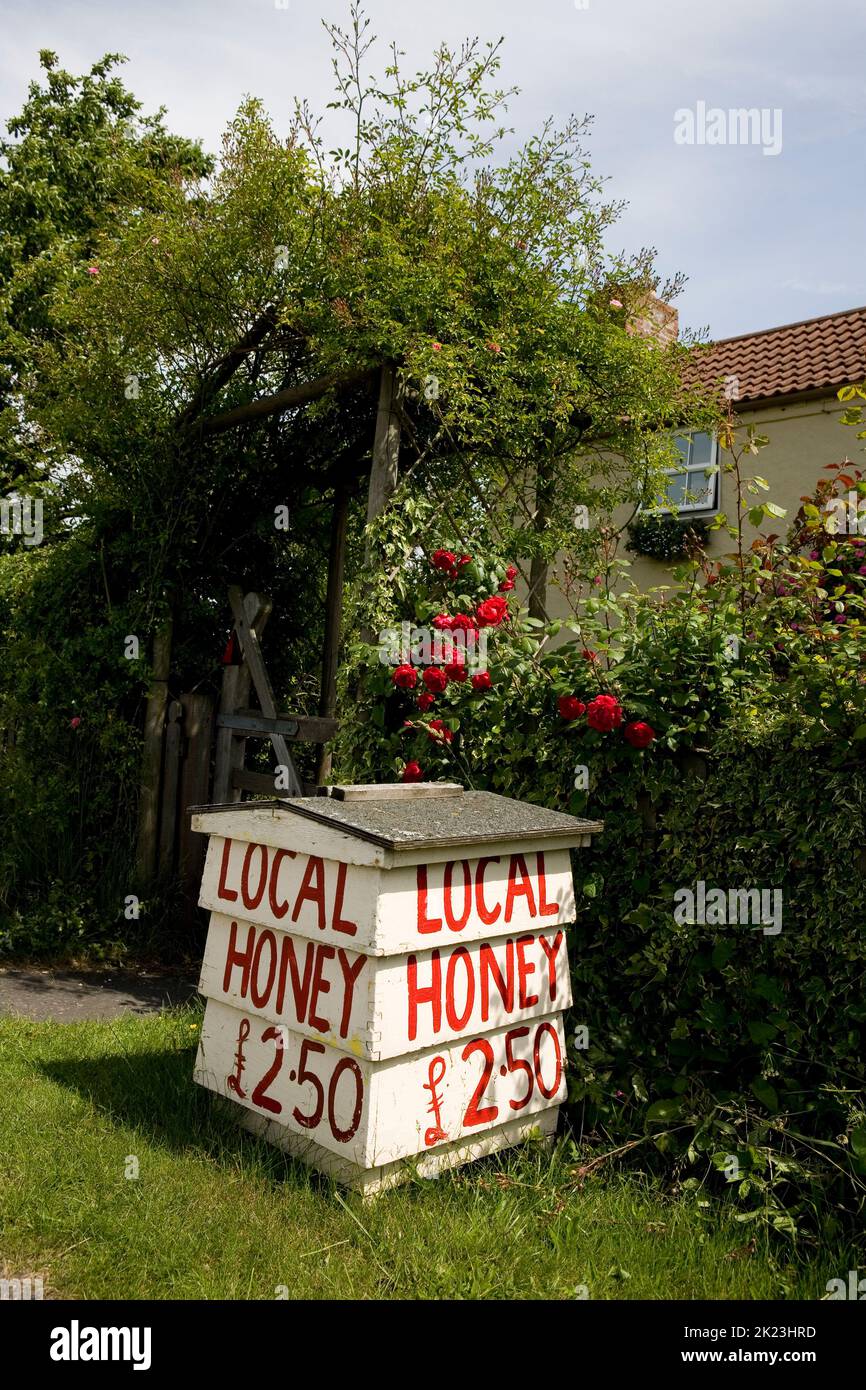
733	1055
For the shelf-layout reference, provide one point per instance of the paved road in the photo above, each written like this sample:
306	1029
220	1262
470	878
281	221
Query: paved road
72	995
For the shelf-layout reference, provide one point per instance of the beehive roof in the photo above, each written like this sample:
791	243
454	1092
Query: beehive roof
456	818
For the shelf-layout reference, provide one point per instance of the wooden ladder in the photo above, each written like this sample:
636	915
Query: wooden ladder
236	722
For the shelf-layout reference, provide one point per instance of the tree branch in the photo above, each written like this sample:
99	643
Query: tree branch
228	365
286	399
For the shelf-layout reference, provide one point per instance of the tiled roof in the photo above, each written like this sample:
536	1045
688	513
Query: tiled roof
817	354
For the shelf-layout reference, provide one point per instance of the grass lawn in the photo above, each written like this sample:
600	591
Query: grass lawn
215	1213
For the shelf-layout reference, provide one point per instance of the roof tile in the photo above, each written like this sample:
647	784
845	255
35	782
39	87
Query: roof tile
818	354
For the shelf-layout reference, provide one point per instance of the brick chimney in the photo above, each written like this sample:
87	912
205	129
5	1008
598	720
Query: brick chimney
655	319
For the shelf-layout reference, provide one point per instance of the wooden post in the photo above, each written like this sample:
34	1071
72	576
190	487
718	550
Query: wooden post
333	620
261	680
539	566
195	782
151	760
171	771
235	695
386	450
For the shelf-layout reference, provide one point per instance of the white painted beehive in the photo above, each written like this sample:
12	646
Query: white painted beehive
386	972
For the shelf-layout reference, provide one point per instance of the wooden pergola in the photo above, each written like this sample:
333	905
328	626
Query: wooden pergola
235	721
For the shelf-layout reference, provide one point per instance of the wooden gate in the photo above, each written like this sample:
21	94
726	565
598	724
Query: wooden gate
196	754
236	722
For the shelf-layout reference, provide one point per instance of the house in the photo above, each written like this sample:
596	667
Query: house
783	382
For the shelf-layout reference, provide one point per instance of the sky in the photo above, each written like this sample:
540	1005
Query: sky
767	222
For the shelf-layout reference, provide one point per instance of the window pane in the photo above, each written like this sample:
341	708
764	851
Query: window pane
675	490
681	444
701	488
702	449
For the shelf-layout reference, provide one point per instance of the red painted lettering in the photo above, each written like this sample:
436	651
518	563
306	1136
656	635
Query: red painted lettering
521	889
300	987
455	1020
228	895
260	996
425	924
320	986
429	995
525	968
254	899
235	957
458	923
278	909
338	922
551	950
484	913
350	976
545	909
312	892
490	971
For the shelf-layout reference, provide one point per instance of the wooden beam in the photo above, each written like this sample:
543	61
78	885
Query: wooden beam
287	399
396	791
333	619
386	450
539	566
223	370
261	680
252	724
151	758
262	783
234	695
195	781
170	775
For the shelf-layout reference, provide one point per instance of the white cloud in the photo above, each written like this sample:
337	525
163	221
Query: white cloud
751	233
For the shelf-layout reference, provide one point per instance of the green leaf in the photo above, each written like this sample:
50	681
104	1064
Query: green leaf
661	1112
765	1093
761	1032
858	1141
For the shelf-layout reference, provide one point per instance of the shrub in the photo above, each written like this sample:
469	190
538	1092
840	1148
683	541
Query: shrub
734	1054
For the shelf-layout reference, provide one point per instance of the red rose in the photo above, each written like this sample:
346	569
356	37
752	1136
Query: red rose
443	559
74	722
588	655
443	623
412	773
492	611
570	707
456	671
638	734
437	730
462	622
464	560
604	713
481	681
506	585
435	679
511	572
424	701
405	677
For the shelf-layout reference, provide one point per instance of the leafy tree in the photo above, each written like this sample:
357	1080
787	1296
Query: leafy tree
79	155
216	338
187	357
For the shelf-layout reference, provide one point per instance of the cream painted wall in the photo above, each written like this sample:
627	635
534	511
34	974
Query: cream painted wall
804	437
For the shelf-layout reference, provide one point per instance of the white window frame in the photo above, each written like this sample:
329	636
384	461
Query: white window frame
699	508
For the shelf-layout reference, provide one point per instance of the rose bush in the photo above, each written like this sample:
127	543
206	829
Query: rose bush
721	732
